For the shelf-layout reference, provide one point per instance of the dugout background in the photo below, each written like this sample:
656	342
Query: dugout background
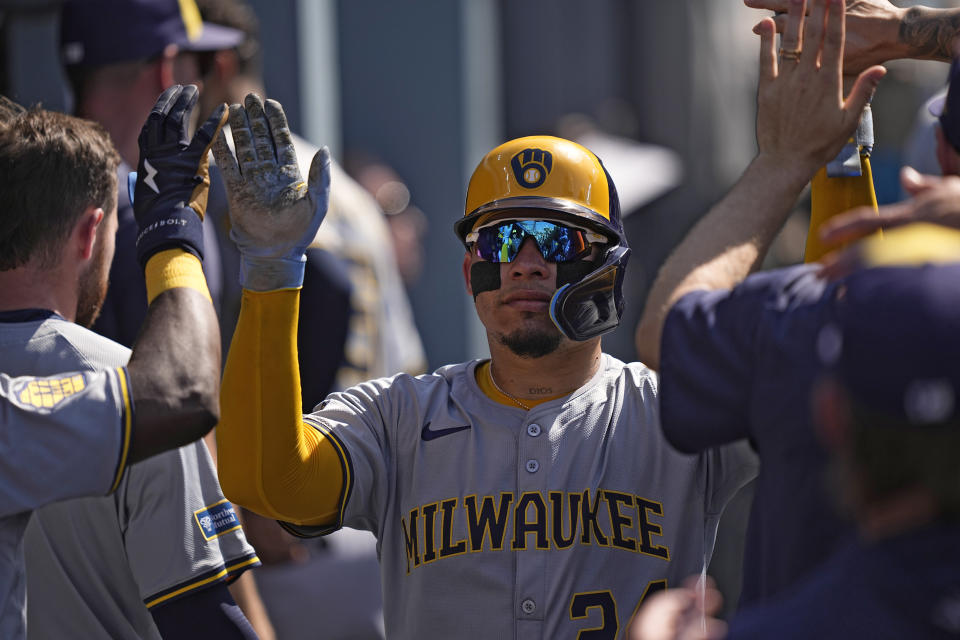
431	85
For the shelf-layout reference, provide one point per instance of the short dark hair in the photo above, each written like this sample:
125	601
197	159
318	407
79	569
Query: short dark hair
9	109
893	455
52	168
238	15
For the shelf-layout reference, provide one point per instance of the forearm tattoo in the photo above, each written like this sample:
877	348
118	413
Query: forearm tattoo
930	32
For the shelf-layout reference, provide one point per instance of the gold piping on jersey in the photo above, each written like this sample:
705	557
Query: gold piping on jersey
127	419
219	573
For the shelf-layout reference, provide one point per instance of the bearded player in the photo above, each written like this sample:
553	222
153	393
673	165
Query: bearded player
531	495
152	558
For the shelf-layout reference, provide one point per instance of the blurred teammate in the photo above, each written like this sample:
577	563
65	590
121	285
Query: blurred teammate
885	407
74	433
166	538
119	55
381	338
58	176
737	359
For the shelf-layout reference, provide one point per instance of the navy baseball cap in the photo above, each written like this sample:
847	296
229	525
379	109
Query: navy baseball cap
895	341
946	108
99	32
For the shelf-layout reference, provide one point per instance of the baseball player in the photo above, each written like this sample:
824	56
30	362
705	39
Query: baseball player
885	410
739	353
531	495
166	537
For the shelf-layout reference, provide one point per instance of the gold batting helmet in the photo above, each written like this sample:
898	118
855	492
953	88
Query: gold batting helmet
569	184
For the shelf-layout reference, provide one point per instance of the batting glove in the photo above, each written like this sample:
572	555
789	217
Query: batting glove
273	213
173	175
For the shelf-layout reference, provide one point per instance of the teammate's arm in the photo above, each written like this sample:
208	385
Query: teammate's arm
878	31
802	122
167	396
269	460
174	368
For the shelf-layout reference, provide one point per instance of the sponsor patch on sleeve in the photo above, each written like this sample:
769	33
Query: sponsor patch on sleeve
216	519
44	395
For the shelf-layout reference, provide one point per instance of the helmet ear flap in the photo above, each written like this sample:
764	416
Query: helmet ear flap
592	305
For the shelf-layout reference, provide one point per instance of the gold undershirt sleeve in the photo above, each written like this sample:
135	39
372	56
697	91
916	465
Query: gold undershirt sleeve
269	460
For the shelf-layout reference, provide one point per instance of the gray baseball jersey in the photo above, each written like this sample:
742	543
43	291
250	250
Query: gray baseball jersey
63	436
494	522
93	563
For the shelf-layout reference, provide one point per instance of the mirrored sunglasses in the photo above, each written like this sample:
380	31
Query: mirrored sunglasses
501	241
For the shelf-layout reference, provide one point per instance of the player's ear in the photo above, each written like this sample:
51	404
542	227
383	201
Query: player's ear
466	272
164	67
225	65
84	235
946	156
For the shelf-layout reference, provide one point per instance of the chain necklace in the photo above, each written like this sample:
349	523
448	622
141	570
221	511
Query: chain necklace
515	399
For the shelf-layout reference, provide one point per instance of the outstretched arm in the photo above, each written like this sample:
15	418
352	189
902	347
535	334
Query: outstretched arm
802	122
100	421
174	373
269	460
878	31
175	366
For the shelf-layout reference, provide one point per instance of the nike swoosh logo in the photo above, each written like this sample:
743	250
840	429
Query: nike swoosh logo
432	434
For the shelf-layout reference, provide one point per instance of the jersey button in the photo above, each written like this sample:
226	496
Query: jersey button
533	466
528	606
533	430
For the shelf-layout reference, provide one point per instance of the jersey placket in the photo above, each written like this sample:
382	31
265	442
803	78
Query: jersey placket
531	545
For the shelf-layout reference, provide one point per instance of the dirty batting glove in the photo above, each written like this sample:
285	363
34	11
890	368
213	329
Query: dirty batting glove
173	175
274	214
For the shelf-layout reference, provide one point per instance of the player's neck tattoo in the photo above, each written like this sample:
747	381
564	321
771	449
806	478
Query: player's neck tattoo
517	401
540	391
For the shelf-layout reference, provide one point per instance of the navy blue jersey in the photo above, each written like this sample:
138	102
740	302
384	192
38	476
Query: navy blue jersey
907	586
740	363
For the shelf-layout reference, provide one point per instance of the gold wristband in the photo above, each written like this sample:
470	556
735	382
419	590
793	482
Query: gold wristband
171	269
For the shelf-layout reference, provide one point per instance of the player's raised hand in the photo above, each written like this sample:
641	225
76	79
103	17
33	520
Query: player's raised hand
802	118
274	213
872	30
173	174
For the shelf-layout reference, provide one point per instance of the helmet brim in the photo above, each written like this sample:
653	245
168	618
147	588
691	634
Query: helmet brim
554	208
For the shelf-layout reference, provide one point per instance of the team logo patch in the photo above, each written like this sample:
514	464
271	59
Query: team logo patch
45	395
531	166
217	519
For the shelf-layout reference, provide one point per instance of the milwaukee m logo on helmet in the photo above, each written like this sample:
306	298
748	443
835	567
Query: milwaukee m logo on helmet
531	166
